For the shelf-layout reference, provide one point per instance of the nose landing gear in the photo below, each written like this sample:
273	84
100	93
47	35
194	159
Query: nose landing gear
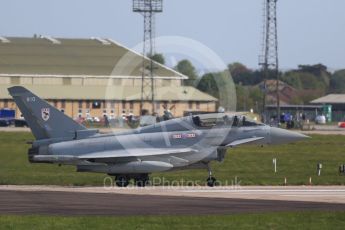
211	181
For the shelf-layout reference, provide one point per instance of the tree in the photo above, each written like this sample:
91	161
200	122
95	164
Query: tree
208	85
313	78
221	86
320	72
241	97
243	75
315	69
337	84
248	97
310	81
186	67
238	68
158	58
292	78
256	96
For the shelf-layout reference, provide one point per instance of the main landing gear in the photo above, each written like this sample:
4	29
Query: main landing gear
122	180
211	181
141	180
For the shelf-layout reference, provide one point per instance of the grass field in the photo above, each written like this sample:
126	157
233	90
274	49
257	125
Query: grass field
301	220
252	165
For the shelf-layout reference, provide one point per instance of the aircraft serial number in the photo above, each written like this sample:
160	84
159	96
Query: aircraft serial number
184	135
30	99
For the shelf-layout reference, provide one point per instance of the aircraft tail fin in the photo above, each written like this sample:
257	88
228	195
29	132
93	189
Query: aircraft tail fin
44	120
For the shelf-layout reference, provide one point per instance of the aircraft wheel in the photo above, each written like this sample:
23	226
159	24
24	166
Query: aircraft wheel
211	181
142	181
121	181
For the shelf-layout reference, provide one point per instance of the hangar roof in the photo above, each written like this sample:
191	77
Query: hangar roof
330	99
45	55
71	92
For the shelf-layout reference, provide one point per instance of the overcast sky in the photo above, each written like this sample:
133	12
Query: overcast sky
310	31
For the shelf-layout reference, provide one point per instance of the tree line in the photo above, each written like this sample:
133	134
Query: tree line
308	81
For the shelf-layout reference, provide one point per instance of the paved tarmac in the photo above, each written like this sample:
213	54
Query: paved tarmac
327	194
24	200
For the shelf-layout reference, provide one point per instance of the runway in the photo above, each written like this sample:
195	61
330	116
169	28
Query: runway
24	200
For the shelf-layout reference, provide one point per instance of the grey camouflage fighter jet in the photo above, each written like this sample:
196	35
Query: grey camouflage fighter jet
181	143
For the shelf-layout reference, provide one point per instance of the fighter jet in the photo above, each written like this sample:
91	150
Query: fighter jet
181	143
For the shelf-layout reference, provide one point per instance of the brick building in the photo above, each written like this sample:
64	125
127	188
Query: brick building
90	77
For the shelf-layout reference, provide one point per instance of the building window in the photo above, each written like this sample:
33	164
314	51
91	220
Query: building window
112	104
131	105
158	106
190	105
123	104
197	105
55	103
88	104
165	105
63	104
80	104
5	103
96	105
80	113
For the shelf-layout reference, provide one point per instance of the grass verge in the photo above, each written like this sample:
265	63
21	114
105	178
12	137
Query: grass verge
250	165
289	220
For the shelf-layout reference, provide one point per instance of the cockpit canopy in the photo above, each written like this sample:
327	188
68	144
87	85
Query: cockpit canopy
203	121
223	120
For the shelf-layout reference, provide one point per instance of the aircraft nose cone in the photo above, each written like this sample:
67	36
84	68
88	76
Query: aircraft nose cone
282	136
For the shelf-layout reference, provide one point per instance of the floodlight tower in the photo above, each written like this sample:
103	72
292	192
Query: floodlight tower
148	8
269	58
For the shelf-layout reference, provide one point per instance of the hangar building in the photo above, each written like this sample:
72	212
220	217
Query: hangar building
334	106
90	77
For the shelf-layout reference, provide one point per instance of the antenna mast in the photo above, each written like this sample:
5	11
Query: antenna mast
269	58
148	8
